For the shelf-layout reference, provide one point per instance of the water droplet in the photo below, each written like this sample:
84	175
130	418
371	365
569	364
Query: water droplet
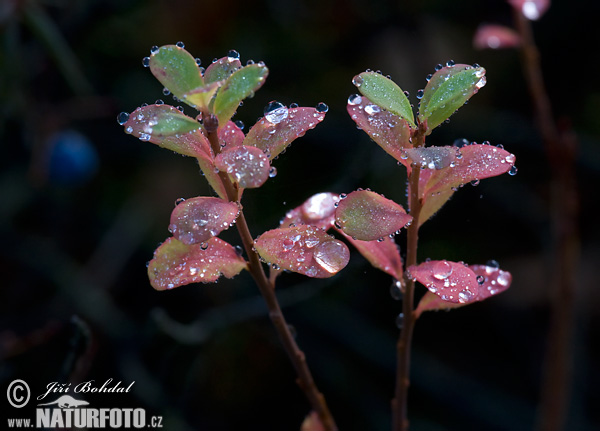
442	270
357	80
400	321
293	105
459	143
475	182
179	200
420	94
239	124
180	45
272	172
122	118
129	129
275	112
513	171
354	99
481	82
203	245
154	50
438	67
146	61
166	91
450	63
322	107
372	109
233	55
144	137
480	279
493	264
503	278
159	102
530	10
332	255
465	296
396	290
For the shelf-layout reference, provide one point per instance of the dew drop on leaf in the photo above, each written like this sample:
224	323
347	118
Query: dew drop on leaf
332	255
180	45
442	270
146	61
275	112
354	99
513	171
122	118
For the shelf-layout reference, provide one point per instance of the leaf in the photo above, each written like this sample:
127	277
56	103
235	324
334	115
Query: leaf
221	69
211	174
241	84
177	264
383	255
531	9
385	93
167	127
230	135
196	220
368	216
473	163
318	210
447	90
177	70
490	281
312	423
247	166
495	37
389	131
451	281
432	157
303	249
273	138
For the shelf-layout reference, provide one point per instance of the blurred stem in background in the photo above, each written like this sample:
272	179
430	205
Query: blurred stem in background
561	149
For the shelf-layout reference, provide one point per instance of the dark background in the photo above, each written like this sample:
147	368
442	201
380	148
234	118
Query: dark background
75	301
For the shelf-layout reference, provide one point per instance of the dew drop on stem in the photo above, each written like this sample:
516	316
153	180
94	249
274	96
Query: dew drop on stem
396	290
400	321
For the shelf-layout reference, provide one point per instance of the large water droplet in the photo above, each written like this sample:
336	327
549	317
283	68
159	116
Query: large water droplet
122	118
372	109
396	290
146	61
442	270
233	55
357	80
322	107
513	171
275	112
180	45
420	94
481	82
354	99
332	255
465	296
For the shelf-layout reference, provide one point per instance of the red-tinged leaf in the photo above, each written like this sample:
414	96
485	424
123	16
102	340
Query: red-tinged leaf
318	210
475	162
383	255
177	264
531	9
451	281
490	281
312	423
389	131
432	157
368	216
220	69
495	37
210	172
169	128
247	166
303	249
231	135
275	135
196	220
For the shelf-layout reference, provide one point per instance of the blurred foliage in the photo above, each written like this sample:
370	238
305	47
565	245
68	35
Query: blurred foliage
75	291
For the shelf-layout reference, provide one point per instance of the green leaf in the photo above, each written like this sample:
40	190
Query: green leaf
221	69
177	70
169	128
447	90
241	84
385	93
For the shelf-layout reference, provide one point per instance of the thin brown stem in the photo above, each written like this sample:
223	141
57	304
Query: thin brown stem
403	347
267	290
560	150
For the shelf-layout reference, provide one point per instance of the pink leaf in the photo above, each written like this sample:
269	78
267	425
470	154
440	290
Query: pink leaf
210	172
383	255
177	264
169	128
368	216
451	281
247	166
490	281
495	37
198	219
531	9
231	135
274	136
303	249
473	163
318	210
389	131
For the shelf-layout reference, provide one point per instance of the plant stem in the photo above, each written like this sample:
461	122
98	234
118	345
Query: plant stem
267	290
403	347
560	150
